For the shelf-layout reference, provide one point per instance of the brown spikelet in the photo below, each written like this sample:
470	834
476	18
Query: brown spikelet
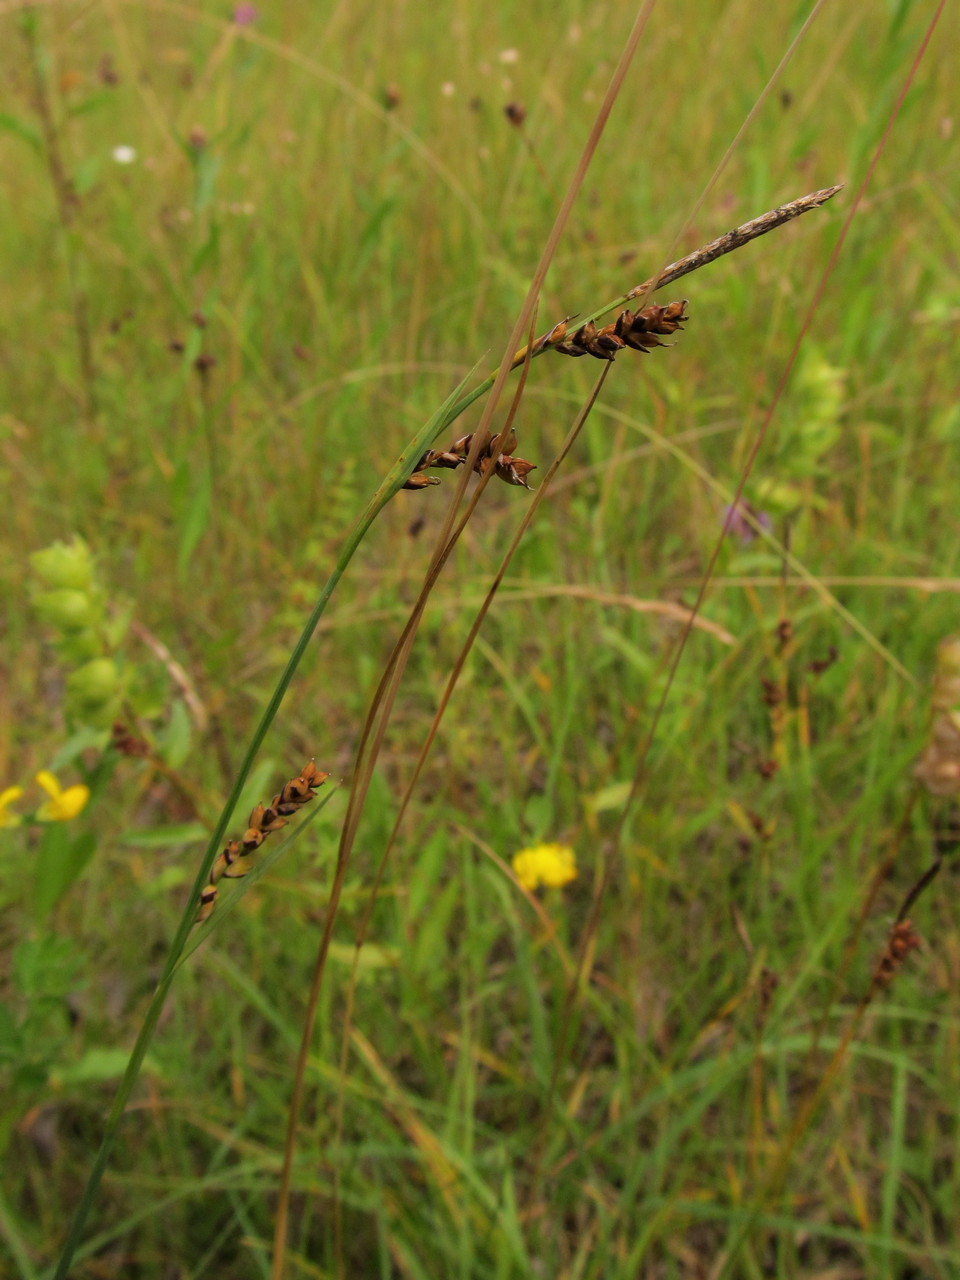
441	458
208	900
514	470
555	336
602	344
900	943
233	861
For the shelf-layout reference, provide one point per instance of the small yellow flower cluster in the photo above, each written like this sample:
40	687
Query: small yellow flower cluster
62	806
552	865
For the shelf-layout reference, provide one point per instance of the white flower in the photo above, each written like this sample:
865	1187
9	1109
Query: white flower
124	155
448	88
509	56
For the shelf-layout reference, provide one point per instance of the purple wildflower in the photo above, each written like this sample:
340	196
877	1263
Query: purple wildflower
736	521
244	15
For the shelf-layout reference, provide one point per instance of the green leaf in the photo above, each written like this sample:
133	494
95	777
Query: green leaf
60	861
207	167
11	1037
84	739
86	174
430	864
22	130
175	740
161	882
208	252
195	520
93	103
613	797
429	957
178	833
97	1065
372	956
45	967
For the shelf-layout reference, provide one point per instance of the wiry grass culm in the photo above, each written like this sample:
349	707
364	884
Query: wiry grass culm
624	948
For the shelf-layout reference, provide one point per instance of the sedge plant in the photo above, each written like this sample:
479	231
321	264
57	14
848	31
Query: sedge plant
490	456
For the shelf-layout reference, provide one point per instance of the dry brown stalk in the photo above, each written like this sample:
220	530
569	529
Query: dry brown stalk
233	860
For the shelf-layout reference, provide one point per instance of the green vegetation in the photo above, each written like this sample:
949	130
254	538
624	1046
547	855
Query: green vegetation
246	261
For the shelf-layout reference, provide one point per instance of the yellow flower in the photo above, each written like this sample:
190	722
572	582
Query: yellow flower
62	805
8	797
550	864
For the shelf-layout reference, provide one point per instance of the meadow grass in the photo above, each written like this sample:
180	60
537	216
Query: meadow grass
330	212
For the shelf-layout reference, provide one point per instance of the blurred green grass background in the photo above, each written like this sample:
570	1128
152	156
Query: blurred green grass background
328	208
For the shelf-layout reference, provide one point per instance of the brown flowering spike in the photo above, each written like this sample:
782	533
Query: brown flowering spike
419	481
233	861
901	942
637	330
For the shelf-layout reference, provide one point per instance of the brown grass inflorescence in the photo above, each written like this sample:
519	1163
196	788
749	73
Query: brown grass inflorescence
233	860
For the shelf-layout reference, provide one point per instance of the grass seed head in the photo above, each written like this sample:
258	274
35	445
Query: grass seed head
233	861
